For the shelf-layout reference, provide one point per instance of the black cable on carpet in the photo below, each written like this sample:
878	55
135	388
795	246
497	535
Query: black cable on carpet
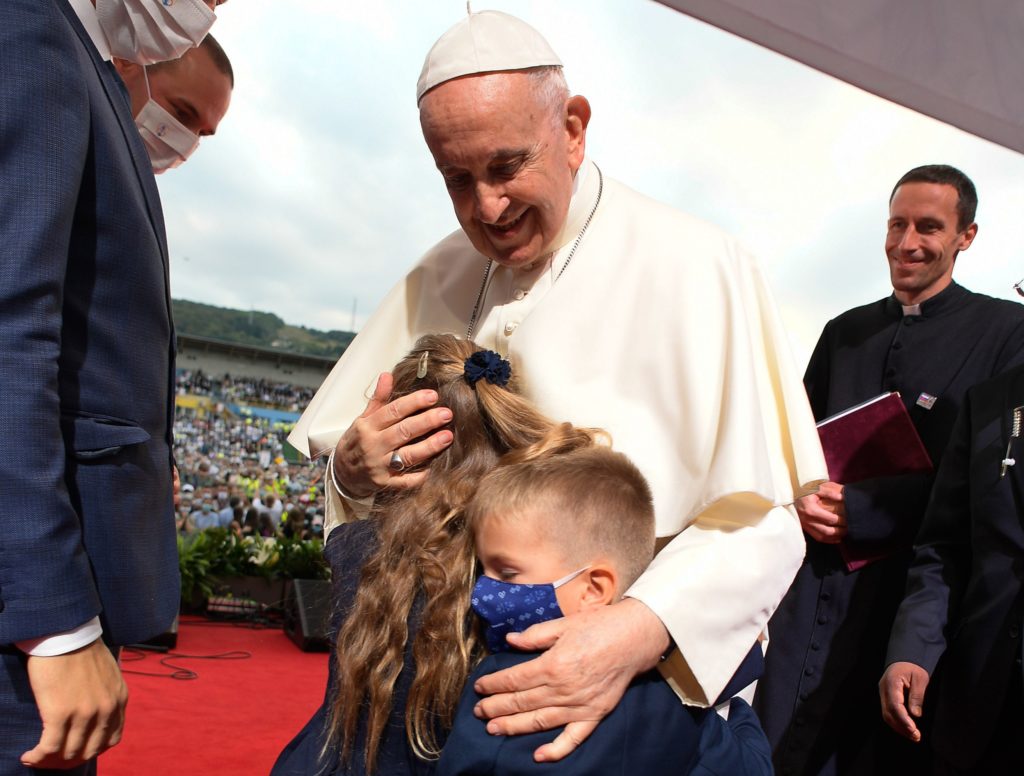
135	654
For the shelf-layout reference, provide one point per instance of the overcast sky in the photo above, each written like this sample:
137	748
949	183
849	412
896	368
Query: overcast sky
318	193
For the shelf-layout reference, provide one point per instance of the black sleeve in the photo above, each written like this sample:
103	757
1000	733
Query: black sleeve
941	564
816	378
886	510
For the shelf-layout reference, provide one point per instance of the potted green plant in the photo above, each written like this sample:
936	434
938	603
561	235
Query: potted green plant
215	562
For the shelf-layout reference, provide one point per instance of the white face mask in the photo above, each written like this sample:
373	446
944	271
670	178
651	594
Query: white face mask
168	141
148	31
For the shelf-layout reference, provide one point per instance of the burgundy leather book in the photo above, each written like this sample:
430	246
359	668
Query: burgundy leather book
873	439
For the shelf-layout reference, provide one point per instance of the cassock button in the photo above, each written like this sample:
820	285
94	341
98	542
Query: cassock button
510	327
823	620
908	321
518	294
897	345
804	696
809	671
826	596
815	646
799	719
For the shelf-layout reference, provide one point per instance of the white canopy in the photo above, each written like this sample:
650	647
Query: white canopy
960	62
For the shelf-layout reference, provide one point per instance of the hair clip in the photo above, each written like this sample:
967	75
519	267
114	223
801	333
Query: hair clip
489	366
421	369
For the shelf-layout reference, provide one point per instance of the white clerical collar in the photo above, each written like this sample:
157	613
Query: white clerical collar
584	192
911	309
87	16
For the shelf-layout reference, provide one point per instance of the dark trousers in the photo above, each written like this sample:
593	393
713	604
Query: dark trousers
20	725
1005	752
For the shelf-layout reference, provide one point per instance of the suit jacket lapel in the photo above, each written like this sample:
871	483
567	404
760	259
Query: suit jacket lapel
114	88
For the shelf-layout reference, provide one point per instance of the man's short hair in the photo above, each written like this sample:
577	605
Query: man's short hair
967	195
594	502
217	56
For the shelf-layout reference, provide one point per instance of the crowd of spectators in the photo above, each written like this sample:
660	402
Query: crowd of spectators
245	390
233	469
265	514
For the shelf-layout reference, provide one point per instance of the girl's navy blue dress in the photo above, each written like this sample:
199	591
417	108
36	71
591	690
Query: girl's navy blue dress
348	547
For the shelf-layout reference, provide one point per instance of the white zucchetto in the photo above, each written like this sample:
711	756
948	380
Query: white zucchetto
484	42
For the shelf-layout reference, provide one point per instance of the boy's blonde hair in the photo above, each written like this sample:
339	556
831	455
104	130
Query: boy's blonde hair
592	502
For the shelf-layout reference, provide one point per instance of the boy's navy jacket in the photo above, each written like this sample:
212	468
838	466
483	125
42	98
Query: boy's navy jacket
649	732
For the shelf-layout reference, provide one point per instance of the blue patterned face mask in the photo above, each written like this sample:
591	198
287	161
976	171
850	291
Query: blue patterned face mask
509	607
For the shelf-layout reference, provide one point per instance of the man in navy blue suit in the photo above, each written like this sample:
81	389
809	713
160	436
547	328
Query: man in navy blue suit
87	545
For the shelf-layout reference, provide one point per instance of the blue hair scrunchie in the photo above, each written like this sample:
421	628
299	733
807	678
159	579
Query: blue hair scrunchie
487	365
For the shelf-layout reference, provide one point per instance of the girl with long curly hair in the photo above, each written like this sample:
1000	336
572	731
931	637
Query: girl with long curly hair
405	639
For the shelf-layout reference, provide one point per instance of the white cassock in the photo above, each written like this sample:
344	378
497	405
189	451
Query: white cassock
662	331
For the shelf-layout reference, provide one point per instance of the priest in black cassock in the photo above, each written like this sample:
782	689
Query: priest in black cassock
964	602
931	340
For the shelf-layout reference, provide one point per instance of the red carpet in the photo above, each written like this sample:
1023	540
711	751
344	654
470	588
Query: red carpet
233	719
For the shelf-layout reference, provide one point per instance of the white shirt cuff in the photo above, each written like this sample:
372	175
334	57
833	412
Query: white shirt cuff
62	643
361	506
339	506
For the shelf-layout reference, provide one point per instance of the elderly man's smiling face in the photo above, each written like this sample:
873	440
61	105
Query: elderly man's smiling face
507	158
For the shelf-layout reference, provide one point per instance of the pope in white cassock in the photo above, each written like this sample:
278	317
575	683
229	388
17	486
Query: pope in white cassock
615	311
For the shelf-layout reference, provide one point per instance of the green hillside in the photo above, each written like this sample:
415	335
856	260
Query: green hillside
248	327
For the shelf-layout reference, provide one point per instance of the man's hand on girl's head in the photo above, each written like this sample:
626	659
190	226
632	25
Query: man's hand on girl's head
363	456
